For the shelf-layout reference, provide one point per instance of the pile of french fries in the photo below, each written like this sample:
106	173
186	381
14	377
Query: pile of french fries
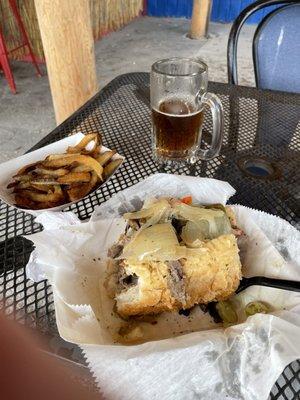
63	178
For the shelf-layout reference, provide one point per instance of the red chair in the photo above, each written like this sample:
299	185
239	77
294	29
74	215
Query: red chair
4	52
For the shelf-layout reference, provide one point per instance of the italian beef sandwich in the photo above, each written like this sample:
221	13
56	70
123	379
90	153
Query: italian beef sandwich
172	256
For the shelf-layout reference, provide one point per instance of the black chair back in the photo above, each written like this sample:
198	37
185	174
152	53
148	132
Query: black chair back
235	31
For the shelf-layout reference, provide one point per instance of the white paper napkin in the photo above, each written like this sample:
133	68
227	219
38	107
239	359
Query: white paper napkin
241	362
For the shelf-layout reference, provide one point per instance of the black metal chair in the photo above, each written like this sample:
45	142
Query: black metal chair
267	122
235	31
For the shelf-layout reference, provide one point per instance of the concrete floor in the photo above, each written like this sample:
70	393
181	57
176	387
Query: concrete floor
28	116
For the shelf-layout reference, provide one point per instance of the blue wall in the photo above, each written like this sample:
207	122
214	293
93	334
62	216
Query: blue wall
222	10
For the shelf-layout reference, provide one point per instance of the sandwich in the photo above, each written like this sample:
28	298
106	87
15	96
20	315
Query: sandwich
172	256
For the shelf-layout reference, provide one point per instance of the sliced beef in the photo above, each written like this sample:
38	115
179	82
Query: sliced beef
125	281
176	281
115	250
130	280
175	269
133	224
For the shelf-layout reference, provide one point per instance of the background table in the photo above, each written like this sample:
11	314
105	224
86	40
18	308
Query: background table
260	158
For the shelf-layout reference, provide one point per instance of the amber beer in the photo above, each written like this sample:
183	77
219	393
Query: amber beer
176	128
178	95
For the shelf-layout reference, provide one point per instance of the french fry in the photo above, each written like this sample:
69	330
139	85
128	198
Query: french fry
59	156
80	159
54	172
95	153
81	146
42	187
24	202
74	177
105	157
27	168
22	178
76	193
110	168
81	168
43	181
49	197
21	185
12	184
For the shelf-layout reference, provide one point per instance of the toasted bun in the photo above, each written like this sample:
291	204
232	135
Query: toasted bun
216	274
212	275
150	295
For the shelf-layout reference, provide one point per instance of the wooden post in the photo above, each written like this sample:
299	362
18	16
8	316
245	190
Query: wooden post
68	43
200	19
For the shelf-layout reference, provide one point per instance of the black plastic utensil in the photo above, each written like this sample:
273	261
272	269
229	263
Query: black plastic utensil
270	282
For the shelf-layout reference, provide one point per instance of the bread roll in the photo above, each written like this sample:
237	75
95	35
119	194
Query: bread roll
159	280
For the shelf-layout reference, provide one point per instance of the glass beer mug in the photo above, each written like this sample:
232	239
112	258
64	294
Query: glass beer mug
178	92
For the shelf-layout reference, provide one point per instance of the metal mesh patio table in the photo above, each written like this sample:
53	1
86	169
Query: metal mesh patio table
260	158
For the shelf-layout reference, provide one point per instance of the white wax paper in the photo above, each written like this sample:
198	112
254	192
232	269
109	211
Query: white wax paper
198	359
9	168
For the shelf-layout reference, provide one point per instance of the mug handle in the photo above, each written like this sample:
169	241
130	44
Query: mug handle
216	109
